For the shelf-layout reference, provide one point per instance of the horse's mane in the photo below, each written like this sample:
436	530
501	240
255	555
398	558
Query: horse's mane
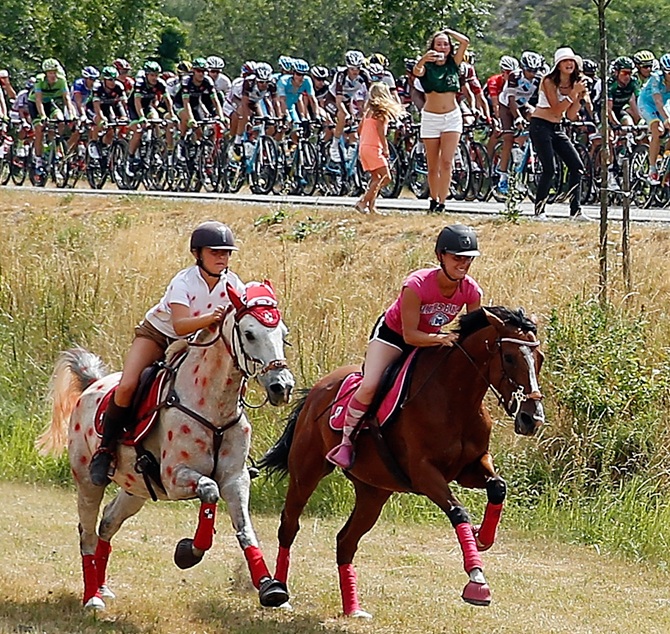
476	320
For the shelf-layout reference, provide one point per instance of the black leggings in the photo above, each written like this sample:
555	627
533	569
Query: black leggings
547	138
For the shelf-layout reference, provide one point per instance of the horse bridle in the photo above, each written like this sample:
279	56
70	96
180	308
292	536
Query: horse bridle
518	396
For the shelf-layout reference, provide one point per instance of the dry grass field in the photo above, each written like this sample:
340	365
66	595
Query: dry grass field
410	578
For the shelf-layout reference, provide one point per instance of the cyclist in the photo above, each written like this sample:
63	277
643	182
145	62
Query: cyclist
514	109
378	69
222	82
594	85
50	91
123	67
196	99
290	89
149	91
345	90
20	116
653	103
108	103
622	92
645	63
285	67
492	90
471	95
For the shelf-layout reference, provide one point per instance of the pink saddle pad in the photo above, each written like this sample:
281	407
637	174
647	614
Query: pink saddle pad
349	386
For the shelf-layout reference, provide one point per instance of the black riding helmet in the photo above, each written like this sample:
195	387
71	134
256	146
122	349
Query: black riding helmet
212	235
458	240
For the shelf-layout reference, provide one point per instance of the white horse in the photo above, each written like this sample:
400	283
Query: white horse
200	441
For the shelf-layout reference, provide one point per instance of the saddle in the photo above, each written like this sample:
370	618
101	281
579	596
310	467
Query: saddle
387	401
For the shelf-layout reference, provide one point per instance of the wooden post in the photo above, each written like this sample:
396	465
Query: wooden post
625	224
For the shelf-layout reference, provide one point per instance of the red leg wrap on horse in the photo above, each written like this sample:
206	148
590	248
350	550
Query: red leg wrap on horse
283	560
348	588
101	556
90	577
466	538
487	531
256	564
204	534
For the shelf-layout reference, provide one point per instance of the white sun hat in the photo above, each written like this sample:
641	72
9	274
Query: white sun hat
563	53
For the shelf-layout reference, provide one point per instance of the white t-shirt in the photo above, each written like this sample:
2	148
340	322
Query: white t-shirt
189	288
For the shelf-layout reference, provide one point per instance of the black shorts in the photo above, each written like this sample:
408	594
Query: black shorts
381	332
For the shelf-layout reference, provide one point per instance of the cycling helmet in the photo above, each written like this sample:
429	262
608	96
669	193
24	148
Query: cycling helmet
410	63
247	68
470	56
184	67
376	71
590	67
531	61
285	63
622	63
152	67
263	71
320	72
643	58
216	63
213	235
200	63
121	64
354	59
30	83
50	64
507	62
664	63
458	240
379	58
168	75
90	72
109	72
300	66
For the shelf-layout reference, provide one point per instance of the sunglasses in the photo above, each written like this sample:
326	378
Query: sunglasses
646	66
625	72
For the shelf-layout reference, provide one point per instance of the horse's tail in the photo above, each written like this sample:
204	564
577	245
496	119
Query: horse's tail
275	459
74	371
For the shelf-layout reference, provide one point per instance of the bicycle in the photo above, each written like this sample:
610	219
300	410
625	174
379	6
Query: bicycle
54	154
344	177
152	168
297	164
108	161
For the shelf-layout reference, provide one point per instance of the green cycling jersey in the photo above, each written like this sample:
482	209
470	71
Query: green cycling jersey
49	92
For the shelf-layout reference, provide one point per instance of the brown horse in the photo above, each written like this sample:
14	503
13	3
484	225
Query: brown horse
440	434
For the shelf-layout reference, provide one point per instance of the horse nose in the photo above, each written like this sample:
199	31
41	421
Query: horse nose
282	391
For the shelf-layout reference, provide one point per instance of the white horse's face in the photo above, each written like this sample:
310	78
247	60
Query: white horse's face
264	345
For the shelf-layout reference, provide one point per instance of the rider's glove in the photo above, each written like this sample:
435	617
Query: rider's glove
519	122
191	123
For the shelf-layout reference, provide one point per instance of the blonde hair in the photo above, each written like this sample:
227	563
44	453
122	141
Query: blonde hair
381	104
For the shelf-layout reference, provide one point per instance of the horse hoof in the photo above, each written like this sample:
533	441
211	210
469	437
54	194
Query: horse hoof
477	593
94	603
360	614
184	556
106	593
272	593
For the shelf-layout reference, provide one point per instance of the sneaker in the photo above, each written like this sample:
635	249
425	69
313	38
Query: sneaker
93	151
341	456
503	186
580	217
542	216
612	184
653	177
132	165
236	151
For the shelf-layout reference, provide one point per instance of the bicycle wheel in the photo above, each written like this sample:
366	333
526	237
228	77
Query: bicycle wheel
116	162
6	163
392	189
19	165
587	177
480	183
495	174
309	166
282	177
417	176
640	188
156	165
96	172
58	164
460	174
264	170
207	166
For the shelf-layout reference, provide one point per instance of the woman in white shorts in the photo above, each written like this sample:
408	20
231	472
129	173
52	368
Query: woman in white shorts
441	118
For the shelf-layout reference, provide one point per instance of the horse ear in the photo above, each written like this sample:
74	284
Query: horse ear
533	317
268	283
234	296
495	321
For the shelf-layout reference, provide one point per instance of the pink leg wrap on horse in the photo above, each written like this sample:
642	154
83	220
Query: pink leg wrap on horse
256	564
283	560
101	556
90	577
487	531
348	588
466	538
204	534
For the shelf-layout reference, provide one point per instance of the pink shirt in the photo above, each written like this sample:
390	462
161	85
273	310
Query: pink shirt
436	309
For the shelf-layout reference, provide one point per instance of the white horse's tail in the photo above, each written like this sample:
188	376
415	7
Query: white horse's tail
74	371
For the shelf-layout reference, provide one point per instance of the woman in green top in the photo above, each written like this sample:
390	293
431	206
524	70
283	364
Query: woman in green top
441	119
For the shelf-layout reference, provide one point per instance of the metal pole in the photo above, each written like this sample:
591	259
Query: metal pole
625	224
604	156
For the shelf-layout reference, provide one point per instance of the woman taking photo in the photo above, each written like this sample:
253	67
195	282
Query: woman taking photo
441	119
560	94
